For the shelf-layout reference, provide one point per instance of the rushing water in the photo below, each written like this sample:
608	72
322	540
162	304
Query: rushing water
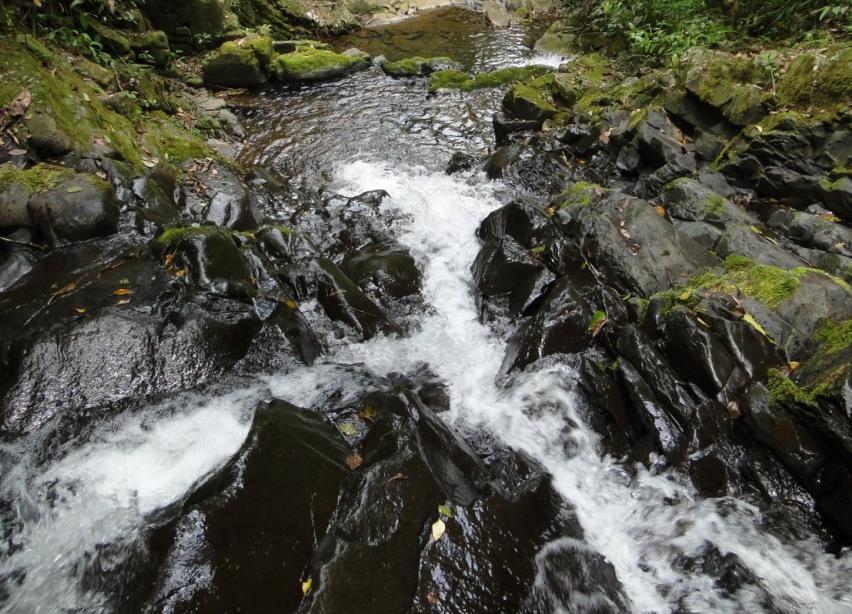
364	133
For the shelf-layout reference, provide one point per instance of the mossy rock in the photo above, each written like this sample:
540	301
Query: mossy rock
822	82
558	39
112	39
418	66
316	65
34	180
458	80
581	194
242	63
531	100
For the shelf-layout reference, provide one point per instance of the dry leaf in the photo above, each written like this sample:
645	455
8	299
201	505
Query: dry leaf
122	291
353	461
348	429
21	103
291	304
182	272
793	365
438	529
124	301
306	585
66	289
80	310
660	210
170	258
17	152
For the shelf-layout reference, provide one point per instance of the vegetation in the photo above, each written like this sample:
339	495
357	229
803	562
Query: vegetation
667	28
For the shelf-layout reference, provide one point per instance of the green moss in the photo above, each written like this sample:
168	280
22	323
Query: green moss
455	79
415	66
172	144
171	237
784	390
37	179
715	204
579	194
834	336
308	64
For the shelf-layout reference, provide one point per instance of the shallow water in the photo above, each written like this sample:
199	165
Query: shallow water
371	132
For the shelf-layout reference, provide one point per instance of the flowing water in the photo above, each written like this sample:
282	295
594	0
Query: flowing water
364	133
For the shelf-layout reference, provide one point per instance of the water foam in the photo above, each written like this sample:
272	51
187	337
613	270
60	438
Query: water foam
641	523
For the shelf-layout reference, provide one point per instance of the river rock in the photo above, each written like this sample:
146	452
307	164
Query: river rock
106	308
309	64
242	63
418	66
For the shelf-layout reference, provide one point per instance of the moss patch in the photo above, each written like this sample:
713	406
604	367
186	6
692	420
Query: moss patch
415	66
312	64
458	80
37	179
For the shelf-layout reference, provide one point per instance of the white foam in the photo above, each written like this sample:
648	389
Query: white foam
100	493
639	523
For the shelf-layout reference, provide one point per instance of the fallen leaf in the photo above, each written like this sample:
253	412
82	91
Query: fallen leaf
124	301
438	529
445	510
291	304
684	296
432	598
170	258
793	364
398	476
20	104
17	152
369	412
80	310
122	291
66	289
348	429
306	585
353	461
182	272
749	319
660	210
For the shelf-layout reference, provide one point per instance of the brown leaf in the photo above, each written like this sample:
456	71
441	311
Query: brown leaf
182	272
66	289
660	210
353	461
20	104
598	326
122	291
124	301
398	476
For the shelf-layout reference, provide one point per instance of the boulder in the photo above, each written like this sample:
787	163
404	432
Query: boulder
308	64
418	66
687	199
242	63
530	101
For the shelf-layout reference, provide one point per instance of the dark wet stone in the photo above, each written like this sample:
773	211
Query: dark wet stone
632	245
742	239
385	269
813	231
247	533
213	259
504	127
703	233
528	170
82	207
236	211
837	196
505	275
790	187
460	162
57	346
710	475
661	143
344	301
689	200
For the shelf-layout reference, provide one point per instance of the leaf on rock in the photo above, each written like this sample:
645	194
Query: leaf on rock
290	303
306	585
17	152
660	210
80	310
22	101
445	510
438	529
749	319
122	291
353	461
348	429
793	365
124	301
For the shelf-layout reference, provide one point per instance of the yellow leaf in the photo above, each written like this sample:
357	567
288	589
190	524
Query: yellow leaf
291	304
749	319
348	429
438	529
793	365
122	291
80	310
684	296
306	585
369	412
182	272
660	210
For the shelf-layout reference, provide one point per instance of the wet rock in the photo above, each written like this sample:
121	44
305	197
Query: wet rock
503	127
562	324
235	210
746	241
114	313
632	244
241	63
813	231
385	269
212	257
344	301
79	207
689	200
460	162
256	519
529	101
528	170
46	137
838	197
497	13
418	66
661	143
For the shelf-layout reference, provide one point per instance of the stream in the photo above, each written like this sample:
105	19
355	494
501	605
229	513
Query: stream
370	132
